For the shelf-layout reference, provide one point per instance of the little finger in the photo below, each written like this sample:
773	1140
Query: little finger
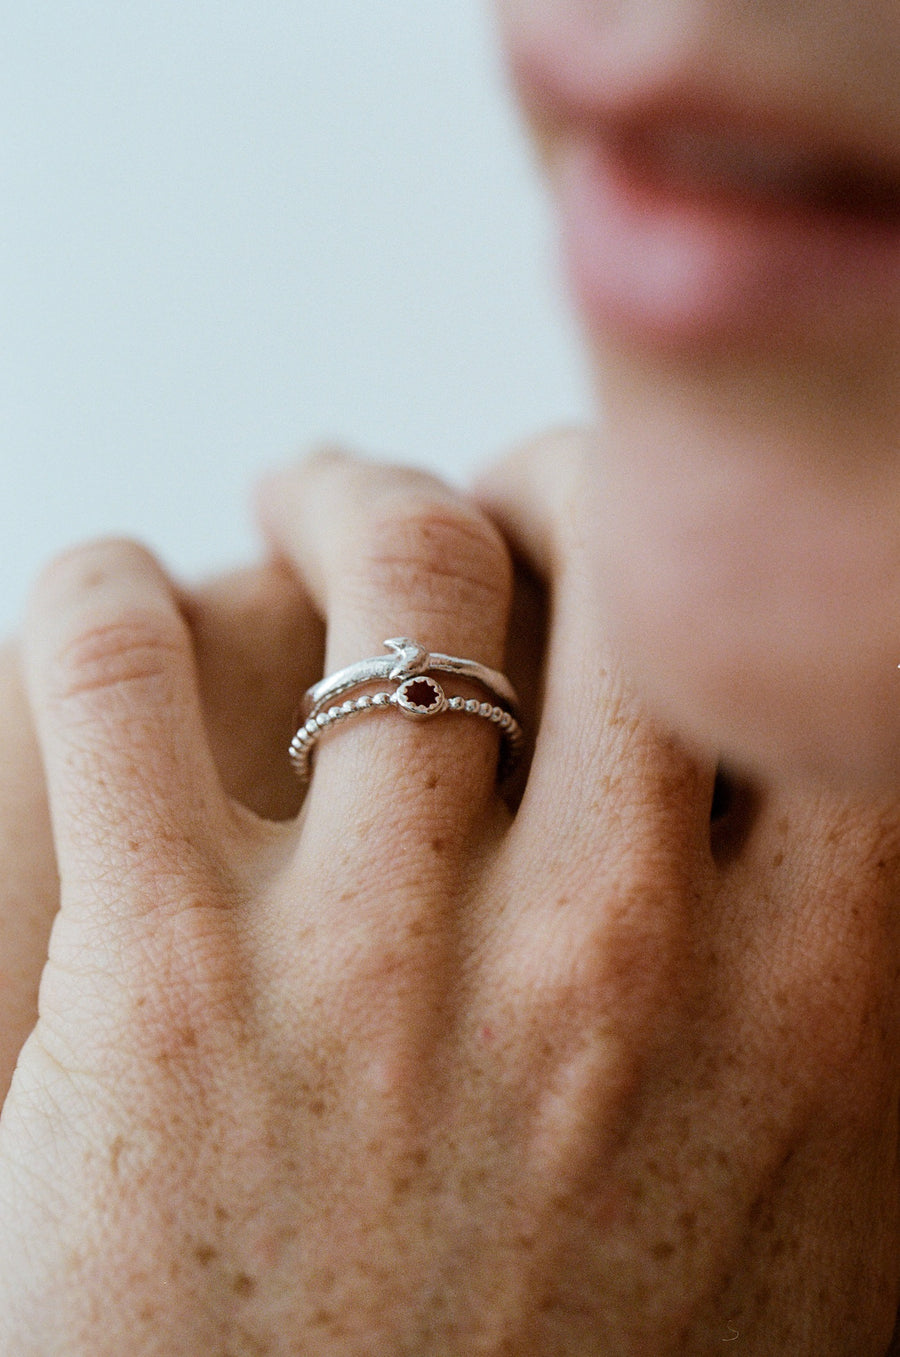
135	797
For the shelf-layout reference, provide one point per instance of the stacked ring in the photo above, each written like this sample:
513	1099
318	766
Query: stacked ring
417	696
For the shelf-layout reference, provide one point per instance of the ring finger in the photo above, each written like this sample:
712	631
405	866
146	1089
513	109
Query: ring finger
389	552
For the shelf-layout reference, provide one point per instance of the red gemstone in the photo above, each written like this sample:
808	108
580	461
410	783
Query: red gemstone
422	693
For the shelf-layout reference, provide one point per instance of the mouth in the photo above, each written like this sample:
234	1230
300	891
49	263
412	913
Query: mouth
696	216
706	163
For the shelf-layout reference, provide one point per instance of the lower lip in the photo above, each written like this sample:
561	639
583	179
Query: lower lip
670	267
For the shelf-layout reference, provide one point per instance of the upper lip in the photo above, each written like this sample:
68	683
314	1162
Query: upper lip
826	161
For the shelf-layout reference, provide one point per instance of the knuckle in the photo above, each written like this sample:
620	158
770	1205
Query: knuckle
325	458
563	449
110	631
452	556
104	654
624	966
88	566
564	443
837	1005
194	959
182	982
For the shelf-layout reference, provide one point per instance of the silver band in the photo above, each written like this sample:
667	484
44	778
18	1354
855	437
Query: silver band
412	703
407	660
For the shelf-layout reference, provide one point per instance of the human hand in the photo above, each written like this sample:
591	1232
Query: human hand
407	1076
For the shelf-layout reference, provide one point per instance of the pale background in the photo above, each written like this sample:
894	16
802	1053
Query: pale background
232	228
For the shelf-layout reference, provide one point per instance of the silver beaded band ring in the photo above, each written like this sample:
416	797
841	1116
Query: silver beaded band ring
419	697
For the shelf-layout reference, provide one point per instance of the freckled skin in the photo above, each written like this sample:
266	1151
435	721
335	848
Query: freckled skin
458	1114
315	1088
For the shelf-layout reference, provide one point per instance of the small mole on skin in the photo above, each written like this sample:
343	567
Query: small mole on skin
115	1153
205	1254
437	845
243	1285
778	860
432	782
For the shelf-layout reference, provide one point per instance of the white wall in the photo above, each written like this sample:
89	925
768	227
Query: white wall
229	228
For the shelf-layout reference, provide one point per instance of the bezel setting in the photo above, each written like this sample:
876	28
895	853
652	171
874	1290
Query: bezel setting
421	697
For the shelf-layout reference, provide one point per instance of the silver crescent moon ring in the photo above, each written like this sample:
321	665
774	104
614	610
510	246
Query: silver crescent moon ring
418	696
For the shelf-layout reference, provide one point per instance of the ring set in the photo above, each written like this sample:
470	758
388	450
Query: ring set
417	695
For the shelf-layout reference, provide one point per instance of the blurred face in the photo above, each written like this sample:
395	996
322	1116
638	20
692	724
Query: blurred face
727	177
